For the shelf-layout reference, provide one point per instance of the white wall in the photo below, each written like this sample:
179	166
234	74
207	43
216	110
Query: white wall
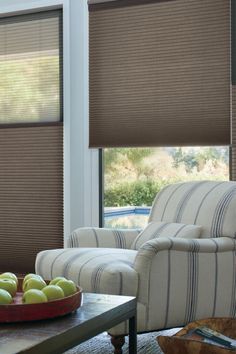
84	162
80	163
8	3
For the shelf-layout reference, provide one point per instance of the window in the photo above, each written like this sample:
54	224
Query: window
30	68
31	138
133	176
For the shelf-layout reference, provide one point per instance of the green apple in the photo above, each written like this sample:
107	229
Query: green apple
54	281
53	292
8	285
68	286
5	297
34	283
9	275
29	276
34	296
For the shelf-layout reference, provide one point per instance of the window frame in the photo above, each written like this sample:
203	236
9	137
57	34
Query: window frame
60	120
102	180
81	182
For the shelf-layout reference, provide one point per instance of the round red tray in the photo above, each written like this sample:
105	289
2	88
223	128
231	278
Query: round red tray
17	311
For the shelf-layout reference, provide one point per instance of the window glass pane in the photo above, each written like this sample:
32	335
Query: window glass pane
30	68
133	176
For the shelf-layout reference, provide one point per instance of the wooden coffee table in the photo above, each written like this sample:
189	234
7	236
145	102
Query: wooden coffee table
97	314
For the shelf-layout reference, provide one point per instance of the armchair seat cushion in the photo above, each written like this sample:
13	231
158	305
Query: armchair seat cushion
97	270
165	229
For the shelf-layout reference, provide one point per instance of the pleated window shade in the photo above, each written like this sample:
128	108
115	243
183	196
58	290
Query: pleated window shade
30	61
159	73
233	148
31	138
233	67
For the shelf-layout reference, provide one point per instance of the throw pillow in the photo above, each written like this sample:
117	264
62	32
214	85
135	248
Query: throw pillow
166	229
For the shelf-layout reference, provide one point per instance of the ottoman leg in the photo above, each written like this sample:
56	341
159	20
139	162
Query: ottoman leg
118	342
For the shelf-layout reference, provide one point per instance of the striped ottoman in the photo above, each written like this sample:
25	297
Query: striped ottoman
104	270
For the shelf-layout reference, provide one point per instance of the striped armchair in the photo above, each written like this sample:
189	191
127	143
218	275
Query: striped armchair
181	267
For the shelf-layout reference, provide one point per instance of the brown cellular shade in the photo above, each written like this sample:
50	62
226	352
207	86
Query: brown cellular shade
233	147
30	68
31	194
31	138
159	73
233	78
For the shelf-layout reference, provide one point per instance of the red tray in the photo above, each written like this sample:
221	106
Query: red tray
18	312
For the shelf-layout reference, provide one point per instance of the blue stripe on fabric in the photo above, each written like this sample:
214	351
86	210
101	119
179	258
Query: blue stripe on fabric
218	184
154	234
216	277
119	239
233	291
192	283
40	261
96	237
184	200
157	232
71	260
193	308
168	291
180	229
93	251
220	212
153	209
170	197
71	241
55	259
97	274
75	240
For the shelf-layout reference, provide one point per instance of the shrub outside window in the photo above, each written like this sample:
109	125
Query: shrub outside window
133	176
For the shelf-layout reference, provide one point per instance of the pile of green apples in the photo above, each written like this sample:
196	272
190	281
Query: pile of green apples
35	289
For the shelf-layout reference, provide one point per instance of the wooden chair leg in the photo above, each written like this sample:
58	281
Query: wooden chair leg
118	342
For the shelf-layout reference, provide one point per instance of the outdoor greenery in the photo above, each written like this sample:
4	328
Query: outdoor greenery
136	193
133	176
29	89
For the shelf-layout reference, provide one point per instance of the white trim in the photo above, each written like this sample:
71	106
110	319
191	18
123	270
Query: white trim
91	168
80	163
30	6
94	2
66	114
84	161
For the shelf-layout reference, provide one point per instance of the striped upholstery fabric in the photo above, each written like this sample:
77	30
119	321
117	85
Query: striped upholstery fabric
209	204
183	280
108	238
165	229
95	270
176	280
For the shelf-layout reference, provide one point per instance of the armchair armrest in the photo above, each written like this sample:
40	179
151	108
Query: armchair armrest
220	244
102	237
189	278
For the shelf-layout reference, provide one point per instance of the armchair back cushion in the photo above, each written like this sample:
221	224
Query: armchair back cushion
165	229
210	204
